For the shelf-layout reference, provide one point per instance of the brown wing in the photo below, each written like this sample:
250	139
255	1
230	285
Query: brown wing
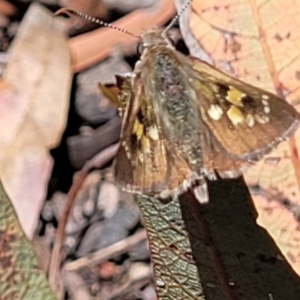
124	86
245	121
119	93
217	161
144	164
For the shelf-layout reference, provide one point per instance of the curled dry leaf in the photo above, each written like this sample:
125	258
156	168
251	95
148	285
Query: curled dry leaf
91	47
96	6
258	43
76	25
6	8
33	111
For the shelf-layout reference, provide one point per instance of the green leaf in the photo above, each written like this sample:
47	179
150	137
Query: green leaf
215	251
20	275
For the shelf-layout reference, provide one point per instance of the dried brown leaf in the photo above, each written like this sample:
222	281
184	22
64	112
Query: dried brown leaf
258	42
91	47
33	111
7	8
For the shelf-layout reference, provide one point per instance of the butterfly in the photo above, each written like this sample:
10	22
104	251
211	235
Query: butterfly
185	121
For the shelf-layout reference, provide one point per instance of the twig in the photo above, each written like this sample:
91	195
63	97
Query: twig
102	158
106	253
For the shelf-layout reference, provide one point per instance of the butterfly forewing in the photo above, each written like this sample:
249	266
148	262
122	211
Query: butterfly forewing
144	164
247	122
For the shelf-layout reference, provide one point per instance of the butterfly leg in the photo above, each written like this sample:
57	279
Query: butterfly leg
200	190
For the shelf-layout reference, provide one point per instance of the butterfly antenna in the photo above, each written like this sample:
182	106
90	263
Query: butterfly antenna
70	12
186	5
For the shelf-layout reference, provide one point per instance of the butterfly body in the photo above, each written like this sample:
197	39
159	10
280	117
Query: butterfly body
185	120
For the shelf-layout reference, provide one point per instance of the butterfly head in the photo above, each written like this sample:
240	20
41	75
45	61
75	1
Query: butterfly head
159	37
154	37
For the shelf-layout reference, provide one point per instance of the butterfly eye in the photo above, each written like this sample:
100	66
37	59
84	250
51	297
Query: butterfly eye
140	48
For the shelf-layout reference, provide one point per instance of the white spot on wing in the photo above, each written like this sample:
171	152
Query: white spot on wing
153	133
215	112
262	119
265	102
250	120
